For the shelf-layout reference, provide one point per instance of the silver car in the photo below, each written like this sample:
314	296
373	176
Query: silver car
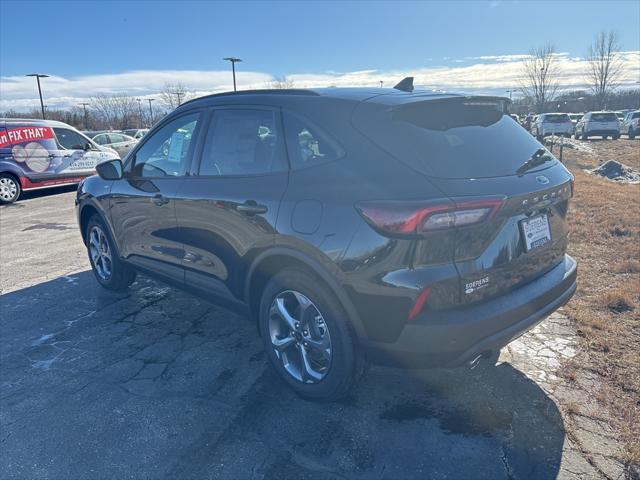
552	124
601	124
120	142
631	125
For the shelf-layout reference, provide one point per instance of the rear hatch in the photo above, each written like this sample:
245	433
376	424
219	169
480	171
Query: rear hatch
603	121
471	150
557	122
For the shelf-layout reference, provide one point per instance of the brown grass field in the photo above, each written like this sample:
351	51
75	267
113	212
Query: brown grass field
604	221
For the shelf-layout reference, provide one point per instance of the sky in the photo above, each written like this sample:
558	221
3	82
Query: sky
135	48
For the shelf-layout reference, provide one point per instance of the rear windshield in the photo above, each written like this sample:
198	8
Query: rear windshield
455	138
556	118
636	115
604	117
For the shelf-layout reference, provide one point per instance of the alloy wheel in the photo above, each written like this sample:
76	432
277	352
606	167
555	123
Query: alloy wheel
100	252
8	189
300	337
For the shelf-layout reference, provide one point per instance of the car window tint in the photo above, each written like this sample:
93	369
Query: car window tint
604	117
306	144
166	152
115	138
243	142
69	139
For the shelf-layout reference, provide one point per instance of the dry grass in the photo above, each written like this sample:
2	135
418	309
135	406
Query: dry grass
604	220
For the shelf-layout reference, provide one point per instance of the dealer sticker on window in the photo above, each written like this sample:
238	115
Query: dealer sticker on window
536	232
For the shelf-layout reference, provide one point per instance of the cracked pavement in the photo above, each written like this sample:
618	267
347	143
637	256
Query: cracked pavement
156	383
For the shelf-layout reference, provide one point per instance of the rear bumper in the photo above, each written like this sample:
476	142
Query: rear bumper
603	132
453	338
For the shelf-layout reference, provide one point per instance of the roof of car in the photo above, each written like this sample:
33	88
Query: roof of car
36	122
356	94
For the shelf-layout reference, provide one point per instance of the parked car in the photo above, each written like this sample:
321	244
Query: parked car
604	124
37	154
120	142
528	121
136	133
552	124
575	118
354	225
631	124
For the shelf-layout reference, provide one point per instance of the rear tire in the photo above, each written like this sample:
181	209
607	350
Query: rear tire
110	271
632	134
313	349
9	188
585	136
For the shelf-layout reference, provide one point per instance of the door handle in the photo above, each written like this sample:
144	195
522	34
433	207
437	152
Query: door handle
250	207
159	200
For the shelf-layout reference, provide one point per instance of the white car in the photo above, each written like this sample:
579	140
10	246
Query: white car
601	124
120	142
552	124
631	125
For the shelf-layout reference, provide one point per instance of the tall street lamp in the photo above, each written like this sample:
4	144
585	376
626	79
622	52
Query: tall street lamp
233	61
139	100
84	107
150	110
510	92
38	77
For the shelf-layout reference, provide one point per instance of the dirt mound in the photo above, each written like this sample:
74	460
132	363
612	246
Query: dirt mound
616	171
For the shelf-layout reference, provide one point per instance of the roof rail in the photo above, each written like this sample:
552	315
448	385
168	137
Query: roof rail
263	91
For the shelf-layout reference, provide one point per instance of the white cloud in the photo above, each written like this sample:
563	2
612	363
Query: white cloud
486	74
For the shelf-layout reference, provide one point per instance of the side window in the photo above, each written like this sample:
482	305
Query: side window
307	145
243	142
69	139
101	139
166	153
115	138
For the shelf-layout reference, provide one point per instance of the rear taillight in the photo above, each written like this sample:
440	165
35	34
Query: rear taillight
408	218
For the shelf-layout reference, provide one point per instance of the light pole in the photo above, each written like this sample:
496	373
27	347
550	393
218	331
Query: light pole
150	111
381	83
139	100
233	61
38	77
510	92
84	107
179	95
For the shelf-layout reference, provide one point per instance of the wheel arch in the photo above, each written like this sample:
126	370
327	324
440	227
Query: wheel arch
276	259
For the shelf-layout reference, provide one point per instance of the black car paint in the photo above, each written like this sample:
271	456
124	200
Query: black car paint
200	239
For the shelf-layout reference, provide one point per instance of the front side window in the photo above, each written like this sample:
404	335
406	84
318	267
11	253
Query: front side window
101	139
69	139
166	152
306	144
243	142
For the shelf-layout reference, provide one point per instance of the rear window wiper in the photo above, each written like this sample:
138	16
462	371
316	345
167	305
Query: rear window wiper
538	158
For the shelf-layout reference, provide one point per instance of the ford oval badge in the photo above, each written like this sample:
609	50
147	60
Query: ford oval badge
542	179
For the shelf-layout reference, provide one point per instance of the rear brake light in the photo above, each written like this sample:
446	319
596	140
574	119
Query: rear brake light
400	218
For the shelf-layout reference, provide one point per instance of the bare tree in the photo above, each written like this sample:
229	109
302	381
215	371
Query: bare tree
282	82
115	111
539	79
604	66
174	94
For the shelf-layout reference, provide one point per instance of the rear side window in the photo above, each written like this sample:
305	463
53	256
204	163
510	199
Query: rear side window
243	142
635	115
604	117
307	145
452	138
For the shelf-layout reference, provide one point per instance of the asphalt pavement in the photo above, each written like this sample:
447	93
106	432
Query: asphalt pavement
157	383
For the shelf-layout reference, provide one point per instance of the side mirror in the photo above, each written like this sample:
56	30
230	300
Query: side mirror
110	170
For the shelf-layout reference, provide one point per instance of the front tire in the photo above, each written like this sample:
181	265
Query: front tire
307	336
111	272
9	188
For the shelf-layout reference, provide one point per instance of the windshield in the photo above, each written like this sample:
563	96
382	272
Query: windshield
556	118
455	138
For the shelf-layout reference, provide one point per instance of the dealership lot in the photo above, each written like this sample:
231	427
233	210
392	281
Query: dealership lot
158	383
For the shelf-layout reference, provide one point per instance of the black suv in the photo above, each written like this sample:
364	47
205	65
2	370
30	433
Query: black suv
354	225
